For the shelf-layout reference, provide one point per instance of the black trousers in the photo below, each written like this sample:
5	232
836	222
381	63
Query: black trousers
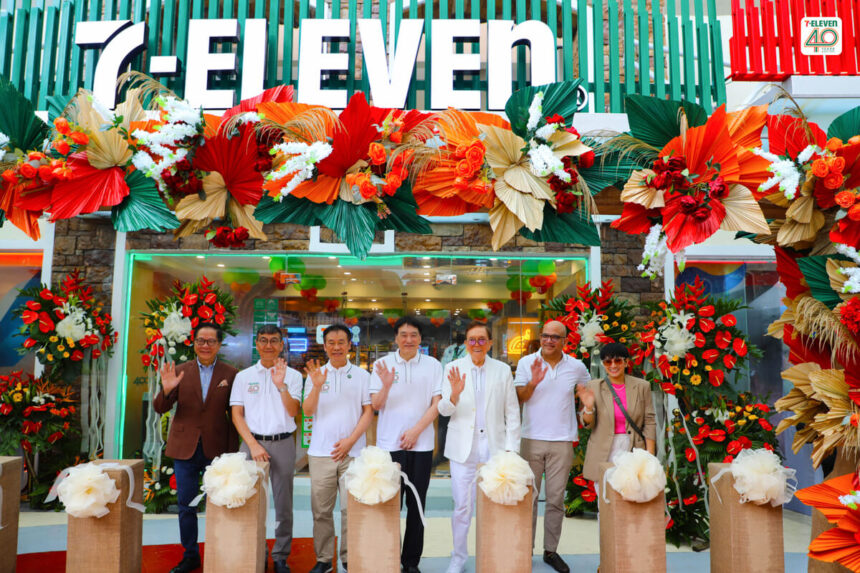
416	466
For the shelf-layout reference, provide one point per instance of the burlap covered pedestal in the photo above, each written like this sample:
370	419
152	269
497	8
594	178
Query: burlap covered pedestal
236	538
373	536
745	537
503	540
632	535
10	485
110	544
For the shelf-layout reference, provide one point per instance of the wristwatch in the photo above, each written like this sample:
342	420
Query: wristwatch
284	389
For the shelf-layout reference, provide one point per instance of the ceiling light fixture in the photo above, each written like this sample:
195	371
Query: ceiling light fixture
220	264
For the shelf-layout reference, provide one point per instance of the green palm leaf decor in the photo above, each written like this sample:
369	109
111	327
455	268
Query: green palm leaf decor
814	270
558	98
143	208
18	119
846	125
575	228
656	121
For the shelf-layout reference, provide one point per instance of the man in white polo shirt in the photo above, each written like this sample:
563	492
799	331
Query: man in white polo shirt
546	382
265	401
338	397
405	388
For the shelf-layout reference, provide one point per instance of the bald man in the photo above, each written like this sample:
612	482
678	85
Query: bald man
545	383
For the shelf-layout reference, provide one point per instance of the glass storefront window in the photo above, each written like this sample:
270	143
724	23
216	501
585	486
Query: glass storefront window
445	292
757	285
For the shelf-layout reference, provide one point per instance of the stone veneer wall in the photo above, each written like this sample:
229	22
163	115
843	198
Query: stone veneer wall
88	243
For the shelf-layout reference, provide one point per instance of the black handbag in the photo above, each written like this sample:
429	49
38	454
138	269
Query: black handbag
624	411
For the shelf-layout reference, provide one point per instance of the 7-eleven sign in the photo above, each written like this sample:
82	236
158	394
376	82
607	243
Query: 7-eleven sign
821	36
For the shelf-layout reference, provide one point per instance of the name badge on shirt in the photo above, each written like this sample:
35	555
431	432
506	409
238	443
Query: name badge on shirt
254	388
325	387
396	377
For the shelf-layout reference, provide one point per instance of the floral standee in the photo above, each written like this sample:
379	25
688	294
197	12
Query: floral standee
72	337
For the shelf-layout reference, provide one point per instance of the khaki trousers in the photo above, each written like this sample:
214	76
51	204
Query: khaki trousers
325	485
555	460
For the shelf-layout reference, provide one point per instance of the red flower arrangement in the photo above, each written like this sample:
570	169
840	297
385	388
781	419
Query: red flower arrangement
228	238
171	322
64	325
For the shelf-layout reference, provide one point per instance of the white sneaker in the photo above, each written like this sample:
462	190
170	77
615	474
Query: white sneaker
456	566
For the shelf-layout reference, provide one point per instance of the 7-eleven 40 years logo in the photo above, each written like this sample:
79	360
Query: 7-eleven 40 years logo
821	36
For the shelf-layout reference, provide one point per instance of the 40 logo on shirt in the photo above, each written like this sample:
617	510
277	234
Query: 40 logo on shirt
821	36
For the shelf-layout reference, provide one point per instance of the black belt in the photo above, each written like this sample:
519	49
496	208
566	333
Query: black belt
273	438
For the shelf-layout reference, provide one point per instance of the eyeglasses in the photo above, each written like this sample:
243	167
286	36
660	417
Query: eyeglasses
269	341
205	341
553	337
613	361
477	341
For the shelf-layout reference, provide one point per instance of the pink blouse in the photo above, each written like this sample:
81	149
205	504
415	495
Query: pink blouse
620	420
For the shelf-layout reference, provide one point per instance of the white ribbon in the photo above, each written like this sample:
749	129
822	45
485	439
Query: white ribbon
788	486
409	484
266	487
52	495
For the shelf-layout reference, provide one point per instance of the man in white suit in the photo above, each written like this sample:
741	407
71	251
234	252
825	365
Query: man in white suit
478	393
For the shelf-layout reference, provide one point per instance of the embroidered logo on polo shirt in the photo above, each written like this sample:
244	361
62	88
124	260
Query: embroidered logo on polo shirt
325	387
254	388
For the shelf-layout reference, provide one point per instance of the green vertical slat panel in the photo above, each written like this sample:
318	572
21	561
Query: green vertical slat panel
367	12
689	52
212	11
319	12
182	16
49	67
227	9
412	95
657	25
197	9
674	55
644	59
352	15
704	58
428	18
287	51
260	12
272	43
63	48
77	59
33	70
629	50
109	10
582	40
93	14
615	103
536	11
124	9
383	20
717	51
19	48
491	15
443	9
242	15
599	89
6	33
242	11
140	10
521	50
552	22
153	25
566	40
475	14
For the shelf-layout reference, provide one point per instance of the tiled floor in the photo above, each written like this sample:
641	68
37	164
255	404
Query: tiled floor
40	531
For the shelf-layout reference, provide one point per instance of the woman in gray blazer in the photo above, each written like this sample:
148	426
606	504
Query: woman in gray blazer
612	430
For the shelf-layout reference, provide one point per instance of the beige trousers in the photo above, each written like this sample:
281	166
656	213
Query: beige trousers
325	485
553	459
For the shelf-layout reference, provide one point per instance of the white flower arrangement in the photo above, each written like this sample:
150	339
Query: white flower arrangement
231	479
176	328
850	500
249	117
4	141
673	338
546	131
75	324
301	165
183	121
760	478
535	111
544	162
654	254
506	478
588	331
786	172
373	477
637	476
87	490
852	283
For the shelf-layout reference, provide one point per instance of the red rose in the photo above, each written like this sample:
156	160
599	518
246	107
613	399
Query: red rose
740	347
690	454
475	154
729	320
27	171
555	118
716	377
833	180
465	169
586	160
61	146
765	424
61	124
377	154
718	188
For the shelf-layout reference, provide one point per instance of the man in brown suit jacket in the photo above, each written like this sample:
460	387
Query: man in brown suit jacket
201	428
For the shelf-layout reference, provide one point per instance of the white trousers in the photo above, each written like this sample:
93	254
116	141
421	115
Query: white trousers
463	490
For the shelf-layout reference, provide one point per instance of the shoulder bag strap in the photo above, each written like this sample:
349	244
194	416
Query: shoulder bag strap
624	411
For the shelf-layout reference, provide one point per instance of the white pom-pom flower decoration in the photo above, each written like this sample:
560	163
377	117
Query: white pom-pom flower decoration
760	478
87	490
373	477
506	478
231	479
637	476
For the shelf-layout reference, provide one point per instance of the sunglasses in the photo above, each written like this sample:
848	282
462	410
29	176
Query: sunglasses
613	361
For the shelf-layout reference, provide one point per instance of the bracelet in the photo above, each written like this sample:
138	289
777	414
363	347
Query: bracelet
587	412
